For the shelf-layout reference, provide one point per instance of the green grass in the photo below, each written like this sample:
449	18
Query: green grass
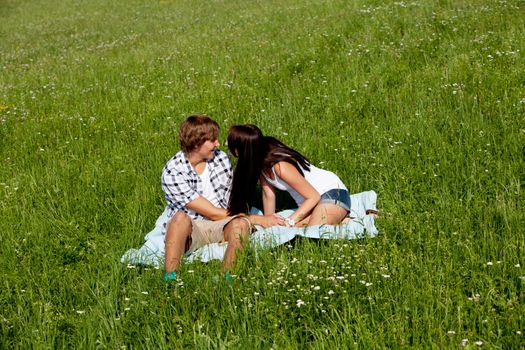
424	102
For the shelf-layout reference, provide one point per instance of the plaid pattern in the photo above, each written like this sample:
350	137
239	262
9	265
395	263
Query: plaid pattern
181	184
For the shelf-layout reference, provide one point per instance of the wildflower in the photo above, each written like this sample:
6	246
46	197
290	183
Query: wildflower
317	288
300	303
517	265
474	297
464	342
386	276
451	332
80	312
145	293
331	292
478	343
489	263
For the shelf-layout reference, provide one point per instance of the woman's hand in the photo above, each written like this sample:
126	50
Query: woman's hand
267	220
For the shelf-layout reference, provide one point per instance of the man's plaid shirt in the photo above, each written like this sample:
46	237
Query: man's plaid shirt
181	184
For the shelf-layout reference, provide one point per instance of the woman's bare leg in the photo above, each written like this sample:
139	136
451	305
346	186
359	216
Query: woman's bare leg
303	222
325	213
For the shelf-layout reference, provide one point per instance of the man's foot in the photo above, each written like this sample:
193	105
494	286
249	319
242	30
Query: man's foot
169	276
229	278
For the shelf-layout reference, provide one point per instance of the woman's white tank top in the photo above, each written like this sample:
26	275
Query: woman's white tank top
321	180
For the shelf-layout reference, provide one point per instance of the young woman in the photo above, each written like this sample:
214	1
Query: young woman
321	196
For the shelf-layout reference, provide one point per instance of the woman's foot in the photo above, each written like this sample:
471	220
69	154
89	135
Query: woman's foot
372	212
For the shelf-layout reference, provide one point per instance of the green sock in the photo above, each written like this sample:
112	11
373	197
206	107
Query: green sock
169	276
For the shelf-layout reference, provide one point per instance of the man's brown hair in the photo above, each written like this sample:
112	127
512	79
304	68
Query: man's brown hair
196	130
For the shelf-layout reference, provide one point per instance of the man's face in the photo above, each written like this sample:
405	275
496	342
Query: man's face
207	149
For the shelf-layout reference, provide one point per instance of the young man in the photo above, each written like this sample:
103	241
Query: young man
196	183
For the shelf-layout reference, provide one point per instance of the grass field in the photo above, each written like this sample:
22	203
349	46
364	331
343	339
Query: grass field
421	101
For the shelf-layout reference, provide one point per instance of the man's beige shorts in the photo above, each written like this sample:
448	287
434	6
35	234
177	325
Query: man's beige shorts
207	231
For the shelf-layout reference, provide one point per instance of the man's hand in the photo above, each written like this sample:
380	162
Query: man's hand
267	220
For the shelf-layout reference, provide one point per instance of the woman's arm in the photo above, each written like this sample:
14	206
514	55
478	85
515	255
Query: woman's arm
267	220
268	197
289	174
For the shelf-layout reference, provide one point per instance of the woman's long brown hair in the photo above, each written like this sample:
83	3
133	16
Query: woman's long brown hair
257	154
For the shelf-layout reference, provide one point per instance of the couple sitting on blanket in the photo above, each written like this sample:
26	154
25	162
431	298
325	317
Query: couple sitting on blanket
209	204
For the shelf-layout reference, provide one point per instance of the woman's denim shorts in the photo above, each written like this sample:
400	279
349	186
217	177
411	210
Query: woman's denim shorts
338	197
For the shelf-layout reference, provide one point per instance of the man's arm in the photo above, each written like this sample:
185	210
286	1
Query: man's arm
202	206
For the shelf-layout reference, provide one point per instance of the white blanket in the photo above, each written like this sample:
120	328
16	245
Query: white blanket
152	251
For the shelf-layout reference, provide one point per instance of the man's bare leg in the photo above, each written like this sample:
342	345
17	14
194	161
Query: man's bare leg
236	233
177	233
